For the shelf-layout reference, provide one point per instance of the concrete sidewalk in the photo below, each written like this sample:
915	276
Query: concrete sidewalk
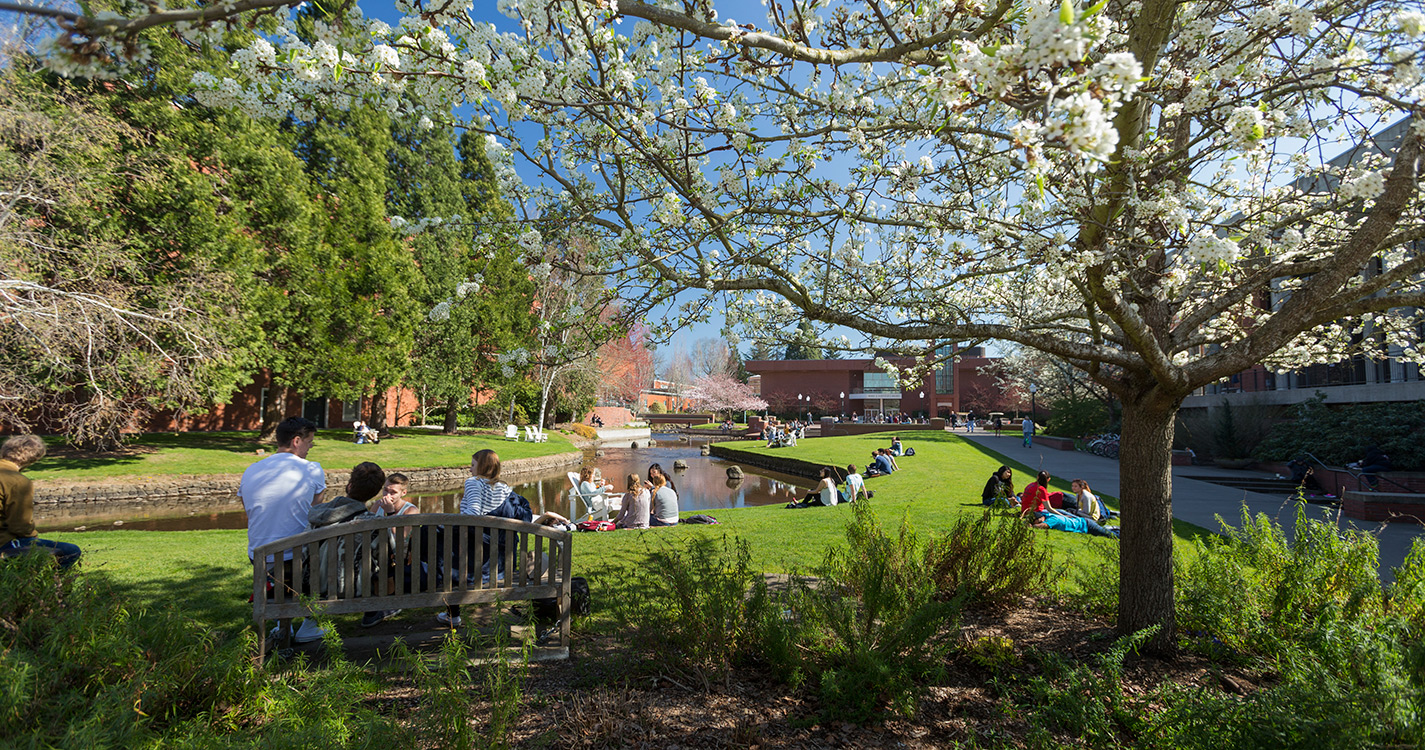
1194	500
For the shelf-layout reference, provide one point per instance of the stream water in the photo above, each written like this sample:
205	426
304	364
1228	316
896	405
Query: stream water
702	486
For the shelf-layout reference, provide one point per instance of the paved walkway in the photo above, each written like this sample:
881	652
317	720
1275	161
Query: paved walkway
1195	501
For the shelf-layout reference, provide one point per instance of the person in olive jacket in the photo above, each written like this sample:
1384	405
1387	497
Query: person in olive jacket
17	503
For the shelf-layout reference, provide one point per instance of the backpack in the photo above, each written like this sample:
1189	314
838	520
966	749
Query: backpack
910	451
596	525
579	604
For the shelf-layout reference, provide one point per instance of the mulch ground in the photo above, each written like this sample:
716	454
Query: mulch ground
601	699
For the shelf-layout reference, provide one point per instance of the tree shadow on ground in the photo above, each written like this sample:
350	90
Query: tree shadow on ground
211	594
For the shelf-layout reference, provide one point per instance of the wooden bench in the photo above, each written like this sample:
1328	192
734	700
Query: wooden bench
316	572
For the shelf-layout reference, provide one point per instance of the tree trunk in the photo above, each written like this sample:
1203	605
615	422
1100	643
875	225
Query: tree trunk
452	405
275	410
1145	581
377	421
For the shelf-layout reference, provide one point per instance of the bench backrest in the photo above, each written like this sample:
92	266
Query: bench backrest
418	560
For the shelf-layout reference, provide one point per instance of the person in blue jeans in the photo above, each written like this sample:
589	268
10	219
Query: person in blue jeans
1028	425
17	503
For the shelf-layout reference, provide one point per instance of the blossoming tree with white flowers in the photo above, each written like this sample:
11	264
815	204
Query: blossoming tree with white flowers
1136	187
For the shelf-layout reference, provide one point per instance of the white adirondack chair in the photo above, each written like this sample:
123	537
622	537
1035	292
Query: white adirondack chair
596	505
540	436
512	433
529	434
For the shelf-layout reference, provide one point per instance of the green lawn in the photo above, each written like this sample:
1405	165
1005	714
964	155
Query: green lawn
207	573
232	452
715	426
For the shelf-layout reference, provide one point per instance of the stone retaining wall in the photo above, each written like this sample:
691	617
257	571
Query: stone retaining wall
149	488
1384	506
785	465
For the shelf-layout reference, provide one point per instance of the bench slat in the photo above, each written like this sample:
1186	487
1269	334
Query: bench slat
416	601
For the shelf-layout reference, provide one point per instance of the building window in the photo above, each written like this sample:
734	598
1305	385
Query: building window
351	410
880	382
945	373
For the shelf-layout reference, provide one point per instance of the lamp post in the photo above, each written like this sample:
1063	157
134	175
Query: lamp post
922	402
843	404
1033	411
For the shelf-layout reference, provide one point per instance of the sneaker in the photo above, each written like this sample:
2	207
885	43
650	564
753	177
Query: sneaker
309	631
444	618
371	619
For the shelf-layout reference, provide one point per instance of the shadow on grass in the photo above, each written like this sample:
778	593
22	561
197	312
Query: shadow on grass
1183	530
208	593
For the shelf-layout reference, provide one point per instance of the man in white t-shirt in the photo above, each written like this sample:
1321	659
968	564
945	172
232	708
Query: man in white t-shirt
277	492
855	485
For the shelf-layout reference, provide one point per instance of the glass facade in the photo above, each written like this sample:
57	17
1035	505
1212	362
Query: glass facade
945	373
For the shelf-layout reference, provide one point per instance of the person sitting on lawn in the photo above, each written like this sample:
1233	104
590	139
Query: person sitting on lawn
634	513
17	504
895	465
665	502
880	464
855	485
823	495
1000	488
1036	498
896	448
1089	506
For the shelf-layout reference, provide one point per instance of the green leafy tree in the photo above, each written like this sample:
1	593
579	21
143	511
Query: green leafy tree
467	259
803	345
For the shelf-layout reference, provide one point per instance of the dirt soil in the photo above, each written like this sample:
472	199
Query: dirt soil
598	699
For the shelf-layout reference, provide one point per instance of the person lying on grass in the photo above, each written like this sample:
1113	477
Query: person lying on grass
823	495
1071	524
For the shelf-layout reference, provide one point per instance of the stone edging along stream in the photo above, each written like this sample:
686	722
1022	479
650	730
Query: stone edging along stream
793	466
152	487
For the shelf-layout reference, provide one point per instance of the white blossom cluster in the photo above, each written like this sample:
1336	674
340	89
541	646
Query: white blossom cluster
933	188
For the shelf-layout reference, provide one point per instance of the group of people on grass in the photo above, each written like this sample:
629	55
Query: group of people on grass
883	462
645	503
779	436
1079	511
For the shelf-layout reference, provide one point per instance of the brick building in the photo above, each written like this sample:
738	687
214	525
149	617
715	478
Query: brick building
856	387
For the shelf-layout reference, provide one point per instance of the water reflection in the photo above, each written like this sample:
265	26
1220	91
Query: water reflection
704	485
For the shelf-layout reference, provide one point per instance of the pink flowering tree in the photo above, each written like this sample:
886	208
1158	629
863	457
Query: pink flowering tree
721	392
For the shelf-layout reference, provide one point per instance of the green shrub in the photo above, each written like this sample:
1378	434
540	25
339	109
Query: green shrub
1339	435
1080	700
690	606
885	627
1098	581
656	408
993	560
1077	417
1257	592
82	668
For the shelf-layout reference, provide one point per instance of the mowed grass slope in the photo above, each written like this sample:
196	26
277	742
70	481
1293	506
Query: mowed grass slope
232	452
207	573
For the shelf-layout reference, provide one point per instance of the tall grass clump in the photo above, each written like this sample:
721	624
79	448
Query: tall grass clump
83	668
993	560
692	608
885	628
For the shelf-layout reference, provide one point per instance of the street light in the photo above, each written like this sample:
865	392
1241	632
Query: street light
922	401
1033	412
843	403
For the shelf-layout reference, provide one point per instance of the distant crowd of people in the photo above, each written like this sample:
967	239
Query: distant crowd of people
883	462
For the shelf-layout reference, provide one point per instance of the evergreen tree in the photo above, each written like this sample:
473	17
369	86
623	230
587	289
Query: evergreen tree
803	345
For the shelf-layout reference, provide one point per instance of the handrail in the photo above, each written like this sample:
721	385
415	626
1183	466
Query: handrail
1355	473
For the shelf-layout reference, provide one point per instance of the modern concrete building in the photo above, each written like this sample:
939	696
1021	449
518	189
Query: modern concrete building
1377	374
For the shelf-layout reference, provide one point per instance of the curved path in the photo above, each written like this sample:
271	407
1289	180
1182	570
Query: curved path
1194	500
